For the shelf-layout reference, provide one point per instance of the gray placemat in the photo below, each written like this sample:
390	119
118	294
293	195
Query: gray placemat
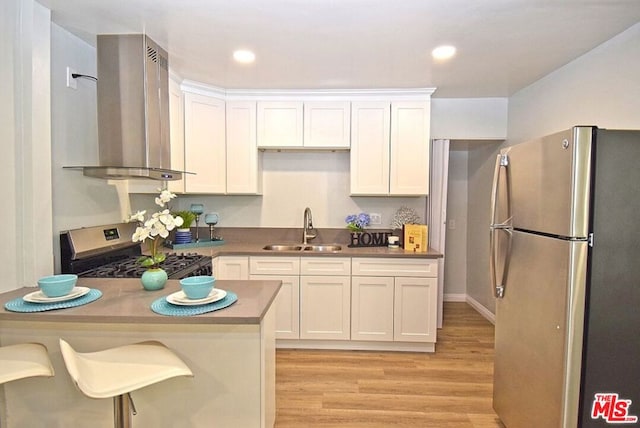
162	307
19	305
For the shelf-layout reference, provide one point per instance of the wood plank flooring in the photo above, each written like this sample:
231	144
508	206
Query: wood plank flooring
449	388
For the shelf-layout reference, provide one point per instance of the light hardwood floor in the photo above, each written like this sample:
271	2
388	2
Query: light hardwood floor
449	388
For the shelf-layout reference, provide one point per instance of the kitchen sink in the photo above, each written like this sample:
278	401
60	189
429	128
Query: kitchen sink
328	248
281	247
310	248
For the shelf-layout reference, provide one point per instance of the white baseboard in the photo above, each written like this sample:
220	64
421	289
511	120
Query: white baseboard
450	297
481	309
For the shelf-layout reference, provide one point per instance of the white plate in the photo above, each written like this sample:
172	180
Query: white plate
179	298
39	297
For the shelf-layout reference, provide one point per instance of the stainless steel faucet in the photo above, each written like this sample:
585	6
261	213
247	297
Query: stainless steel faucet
307	226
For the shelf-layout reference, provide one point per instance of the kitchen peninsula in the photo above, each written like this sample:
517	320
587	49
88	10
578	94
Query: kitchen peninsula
231	353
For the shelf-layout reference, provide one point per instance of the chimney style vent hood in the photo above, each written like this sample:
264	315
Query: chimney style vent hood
133	109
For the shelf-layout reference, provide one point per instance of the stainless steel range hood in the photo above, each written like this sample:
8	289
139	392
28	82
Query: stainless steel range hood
133	110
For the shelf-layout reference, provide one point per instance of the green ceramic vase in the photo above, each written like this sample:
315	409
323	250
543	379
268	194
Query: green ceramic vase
154	279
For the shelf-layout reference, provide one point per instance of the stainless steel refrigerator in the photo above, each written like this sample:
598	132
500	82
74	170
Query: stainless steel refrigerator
565	267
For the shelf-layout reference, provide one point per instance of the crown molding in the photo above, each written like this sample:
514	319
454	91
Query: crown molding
306	94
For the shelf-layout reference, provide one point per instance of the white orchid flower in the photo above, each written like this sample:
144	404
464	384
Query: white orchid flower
139	216
140	234
157	225
165	196
169	221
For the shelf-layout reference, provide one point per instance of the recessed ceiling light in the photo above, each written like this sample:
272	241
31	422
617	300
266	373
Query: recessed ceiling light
244	56
443	52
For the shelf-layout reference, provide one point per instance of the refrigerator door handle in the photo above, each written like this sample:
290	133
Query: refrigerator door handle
498	286
502	162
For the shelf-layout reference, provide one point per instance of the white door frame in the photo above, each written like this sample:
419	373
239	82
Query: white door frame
437	209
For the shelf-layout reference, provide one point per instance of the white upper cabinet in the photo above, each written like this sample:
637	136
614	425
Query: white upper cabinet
176	134
205	151
244	170
370	127
390	148
409	162
327	124
308	124
280	124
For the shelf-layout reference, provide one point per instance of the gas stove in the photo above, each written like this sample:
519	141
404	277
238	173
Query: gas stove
107	252
176	265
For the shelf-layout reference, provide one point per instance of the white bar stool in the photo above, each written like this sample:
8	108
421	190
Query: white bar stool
114	373
24	360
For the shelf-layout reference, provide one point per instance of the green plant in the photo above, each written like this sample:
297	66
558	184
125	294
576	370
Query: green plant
187	218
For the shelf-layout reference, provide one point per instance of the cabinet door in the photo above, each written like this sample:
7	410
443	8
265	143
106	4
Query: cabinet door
232	267
415	309
372	308
279	124
287	305
409	164
205	153
244	171
327	124
325	307
176	120
370	127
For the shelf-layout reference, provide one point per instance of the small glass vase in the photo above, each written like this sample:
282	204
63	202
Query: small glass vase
154	279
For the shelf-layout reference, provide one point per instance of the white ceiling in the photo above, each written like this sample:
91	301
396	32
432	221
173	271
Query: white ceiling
503	45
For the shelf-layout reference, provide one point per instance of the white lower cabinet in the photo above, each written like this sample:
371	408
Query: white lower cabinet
394	299
415	306
325	307
287	270
231	267
347	303
372	308
325	298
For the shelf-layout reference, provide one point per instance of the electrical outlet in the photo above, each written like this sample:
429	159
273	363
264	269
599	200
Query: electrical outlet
71	82
375	218
452	223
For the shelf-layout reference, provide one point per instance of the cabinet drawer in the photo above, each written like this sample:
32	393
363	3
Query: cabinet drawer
325	266
274	265
395	267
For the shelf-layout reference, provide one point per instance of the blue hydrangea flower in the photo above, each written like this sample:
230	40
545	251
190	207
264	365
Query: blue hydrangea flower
356	223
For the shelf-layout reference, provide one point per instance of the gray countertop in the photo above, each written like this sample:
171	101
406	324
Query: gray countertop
250	242
252	249
125	301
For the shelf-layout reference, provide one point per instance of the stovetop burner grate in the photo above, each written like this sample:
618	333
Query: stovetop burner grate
176	266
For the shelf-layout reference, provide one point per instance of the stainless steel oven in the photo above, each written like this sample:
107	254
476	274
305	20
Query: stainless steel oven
108	252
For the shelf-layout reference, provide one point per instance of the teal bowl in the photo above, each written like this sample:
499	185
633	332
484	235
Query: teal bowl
197	287
57	285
